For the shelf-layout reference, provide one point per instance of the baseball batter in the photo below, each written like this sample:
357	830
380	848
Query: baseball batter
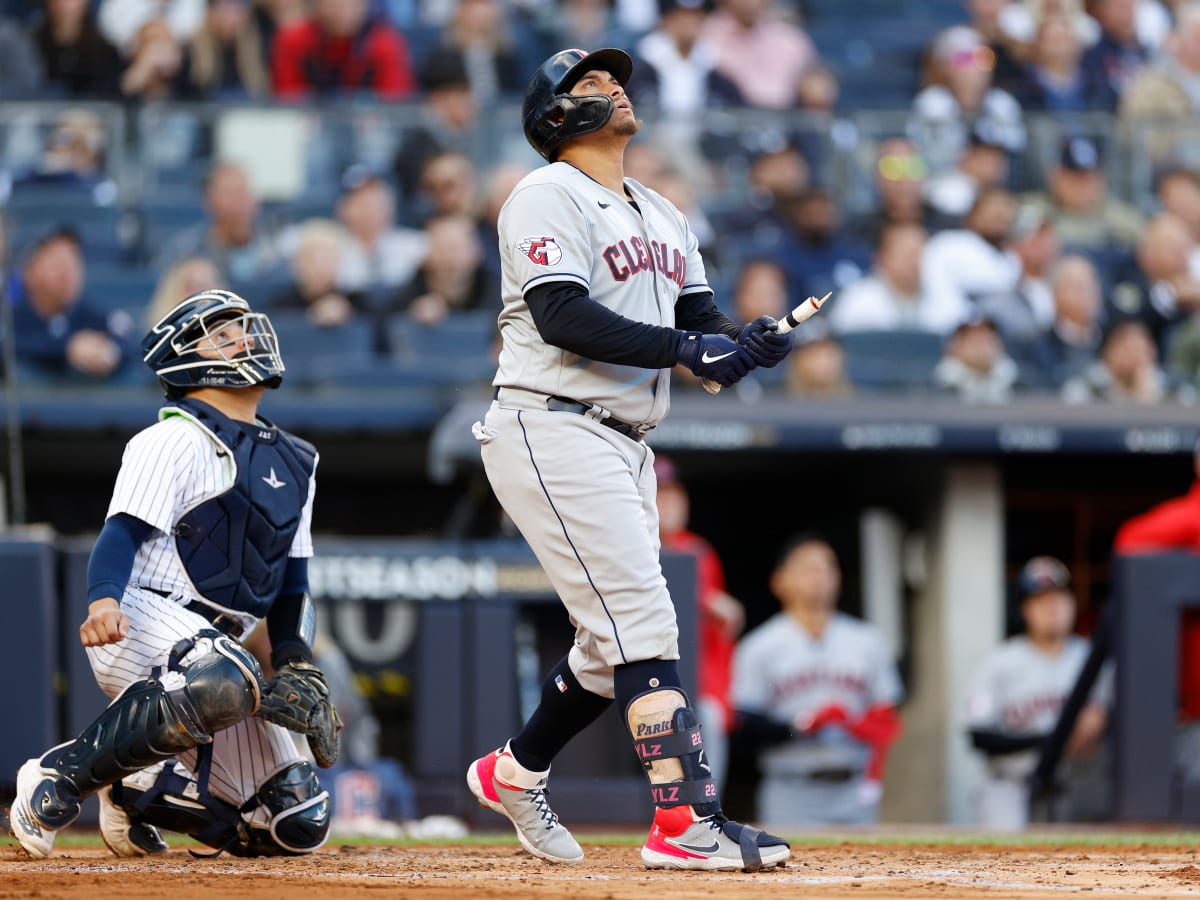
1020	690
604	292
817	690
208	530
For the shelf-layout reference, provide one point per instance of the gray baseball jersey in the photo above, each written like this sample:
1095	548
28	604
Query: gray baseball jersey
782	671
561	225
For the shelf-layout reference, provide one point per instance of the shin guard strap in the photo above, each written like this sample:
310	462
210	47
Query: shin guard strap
663	746
748	844
681	793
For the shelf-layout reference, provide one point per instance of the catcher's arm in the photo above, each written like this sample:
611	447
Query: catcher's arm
297	697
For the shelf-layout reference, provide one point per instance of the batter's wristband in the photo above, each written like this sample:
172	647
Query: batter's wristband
669	746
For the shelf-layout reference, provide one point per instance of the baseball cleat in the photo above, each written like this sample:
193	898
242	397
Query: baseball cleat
537	826
45	802
678	840
120	832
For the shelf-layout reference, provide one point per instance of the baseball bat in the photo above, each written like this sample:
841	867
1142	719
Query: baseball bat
801	313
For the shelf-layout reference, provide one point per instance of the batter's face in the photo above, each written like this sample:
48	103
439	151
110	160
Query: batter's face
622	121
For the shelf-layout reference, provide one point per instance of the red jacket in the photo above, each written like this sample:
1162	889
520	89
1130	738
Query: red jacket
715	663
306	61
1173	525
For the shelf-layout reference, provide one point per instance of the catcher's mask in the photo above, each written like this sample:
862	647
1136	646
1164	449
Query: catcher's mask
212	339
552	115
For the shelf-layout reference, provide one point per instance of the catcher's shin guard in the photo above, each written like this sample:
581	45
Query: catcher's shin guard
213	683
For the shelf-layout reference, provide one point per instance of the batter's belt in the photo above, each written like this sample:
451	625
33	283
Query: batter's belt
595	413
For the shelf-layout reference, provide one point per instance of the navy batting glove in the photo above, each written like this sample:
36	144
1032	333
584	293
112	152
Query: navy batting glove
715	357
762	340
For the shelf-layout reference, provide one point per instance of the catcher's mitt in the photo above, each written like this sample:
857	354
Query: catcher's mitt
298	699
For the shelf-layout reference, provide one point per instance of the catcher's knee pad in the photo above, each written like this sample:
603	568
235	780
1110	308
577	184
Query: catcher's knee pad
299	810
212	683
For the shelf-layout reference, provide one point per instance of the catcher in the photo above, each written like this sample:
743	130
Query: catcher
208	531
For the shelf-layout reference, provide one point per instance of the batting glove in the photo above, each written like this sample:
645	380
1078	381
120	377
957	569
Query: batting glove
762	340
715	357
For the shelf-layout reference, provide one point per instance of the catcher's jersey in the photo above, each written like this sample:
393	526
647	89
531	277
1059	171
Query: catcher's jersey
167	469
782	671
1020	691
560	225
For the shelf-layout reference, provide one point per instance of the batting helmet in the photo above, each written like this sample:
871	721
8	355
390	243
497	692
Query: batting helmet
551	115
186	348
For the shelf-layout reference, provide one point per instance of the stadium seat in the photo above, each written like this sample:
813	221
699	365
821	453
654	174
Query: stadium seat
460	335
306	346
891	360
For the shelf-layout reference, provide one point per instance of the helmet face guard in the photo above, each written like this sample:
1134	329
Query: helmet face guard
551	115
213	339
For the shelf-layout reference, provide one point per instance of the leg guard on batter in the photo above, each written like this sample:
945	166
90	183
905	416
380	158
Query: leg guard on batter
211	684
288	816
689	831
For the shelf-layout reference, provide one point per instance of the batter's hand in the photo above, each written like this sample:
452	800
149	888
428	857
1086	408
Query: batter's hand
762	340
105	624
715	357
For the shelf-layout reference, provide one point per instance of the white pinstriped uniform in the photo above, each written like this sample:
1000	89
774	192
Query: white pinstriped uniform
168	469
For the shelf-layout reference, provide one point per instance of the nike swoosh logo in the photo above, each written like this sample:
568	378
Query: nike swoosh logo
713	849
603	205
705	358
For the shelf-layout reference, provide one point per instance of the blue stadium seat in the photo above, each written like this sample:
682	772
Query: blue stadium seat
891	360
461	335
306	346
111	286
383	372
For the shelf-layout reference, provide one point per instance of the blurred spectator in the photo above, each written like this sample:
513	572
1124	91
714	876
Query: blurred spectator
815	250
1158	287
975	367
816	367
452	276
1163	99
675	68
760	289
225	60
1028	313
1086	216
499	184
78	59
121	21
448	186
760	51
900	177
816	691
818	89
957	93
966	266
378	255
579	23
21	69
57	331
1072	342
776	177
480	31
340	49
720	621
1128	371
188	276
1118	53
1178	192
446	121
983	163
74	157
1018	693
1019	20
1055	79
155	60
315	264
233	235
665	167
892	296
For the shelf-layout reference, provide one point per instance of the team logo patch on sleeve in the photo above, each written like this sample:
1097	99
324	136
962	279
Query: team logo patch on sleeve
542	251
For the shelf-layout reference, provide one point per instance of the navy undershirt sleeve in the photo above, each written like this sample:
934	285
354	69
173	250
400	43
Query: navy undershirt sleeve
112	556
698	312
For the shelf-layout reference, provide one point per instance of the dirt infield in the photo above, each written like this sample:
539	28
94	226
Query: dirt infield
612	872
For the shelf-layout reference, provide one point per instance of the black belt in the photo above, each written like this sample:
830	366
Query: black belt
833	776
223	622
564	404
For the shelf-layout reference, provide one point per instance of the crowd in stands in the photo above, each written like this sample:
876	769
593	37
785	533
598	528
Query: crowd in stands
1003	196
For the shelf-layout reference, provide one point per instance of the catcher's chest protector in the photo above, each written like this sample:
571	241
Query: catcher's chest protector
234	546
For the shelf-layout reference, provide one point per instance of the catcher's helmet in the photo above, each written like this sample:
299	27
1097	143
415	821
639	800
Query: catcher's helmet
551	115
186	348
